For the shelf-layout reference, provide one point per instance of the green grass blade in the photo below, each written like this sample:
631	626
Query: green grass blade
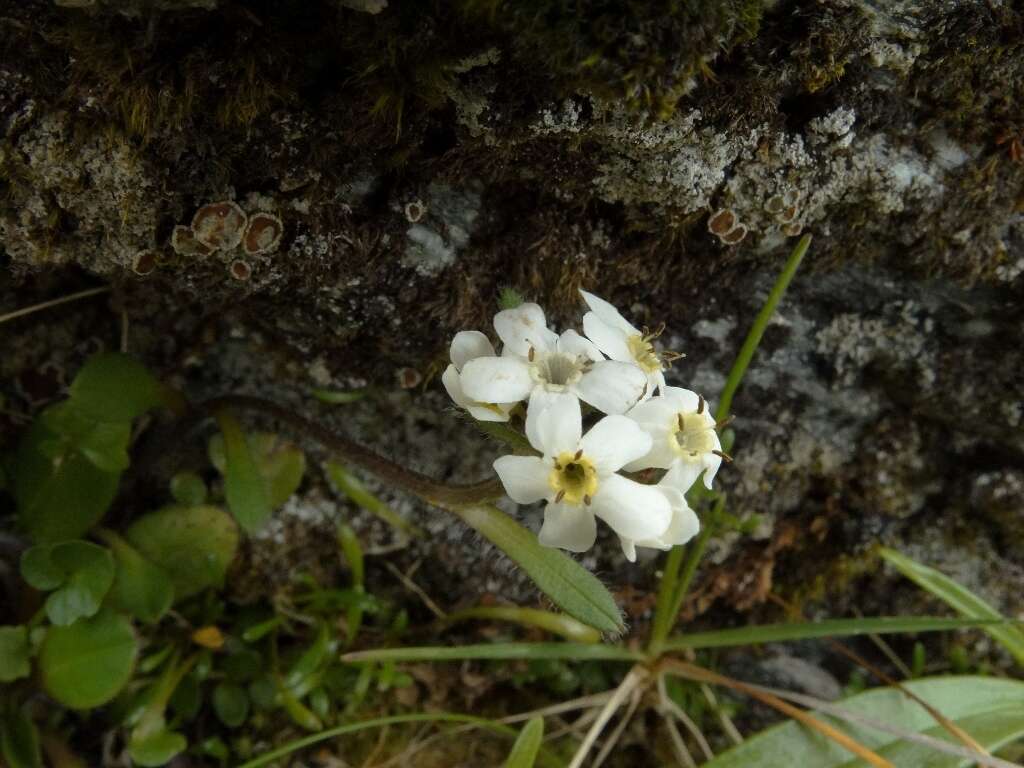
349	485
524	751
545	759
749	347
959	598
570	651
806	630
555	623
572	587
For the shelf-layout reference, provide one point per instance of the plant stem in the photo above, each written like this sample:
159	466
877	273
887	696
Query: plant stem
351	452
663	619
693	557
746	352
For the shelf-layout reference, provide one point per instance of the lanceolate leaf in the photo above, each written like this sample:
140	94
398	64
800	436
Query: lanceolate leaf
534	651
524	751
959	598
572	587
244	485
805	630
971	702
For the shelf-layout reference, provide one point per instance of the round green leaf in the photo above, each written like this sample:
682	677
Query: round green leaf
193	545
115	387
188	488
86	664
61	494
86	573
140	587
104	443
14	653
157	749
231	704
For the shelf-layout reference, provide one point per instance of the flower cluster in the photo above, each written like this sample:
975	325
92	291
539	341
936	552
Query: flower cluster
614	369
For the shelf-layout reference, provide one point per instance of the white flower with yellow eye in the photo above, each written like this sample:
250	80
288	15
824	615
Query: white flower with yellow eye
466	346
684	525
621	340
683	437
536	359
577	476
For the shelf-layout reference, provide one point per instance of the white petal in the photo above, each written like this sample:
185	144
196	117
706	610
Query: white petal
684	525
469	345
490	411
525	477
452	383
569	527
608	338
711	463
554	422
633	510
655	380
682	399
628	548
496	379
660	456
613	442
657	412
608	313
682	474
524	327
612	386
572	344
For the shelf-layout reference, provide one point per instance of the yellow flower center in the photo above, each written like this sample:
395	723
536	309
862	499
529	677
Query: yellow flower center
691	435
642	350
573	478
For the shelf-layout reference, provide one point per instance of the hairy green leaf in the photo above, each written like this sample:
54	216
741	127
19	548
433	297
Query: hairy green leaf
86	664
969	701
572	587
193	545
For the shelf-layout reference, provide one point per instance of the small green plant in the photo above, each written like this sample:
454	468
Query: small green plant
125	617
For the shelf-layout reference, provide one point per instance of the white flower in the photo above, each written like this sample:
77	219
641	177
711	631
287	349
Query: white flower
684	440
621	340
536	358
684	525
576	475
466	346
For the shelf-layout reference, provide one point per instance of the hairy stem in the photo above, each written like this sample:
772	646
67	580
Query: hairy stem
350	452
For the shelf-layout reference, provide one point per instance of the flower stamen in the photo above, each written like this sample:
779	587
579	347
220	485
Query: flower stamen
574	478
724	456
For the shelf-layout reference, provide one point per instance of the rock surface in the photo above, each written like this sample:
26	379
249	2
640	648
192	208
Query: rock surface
421	159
